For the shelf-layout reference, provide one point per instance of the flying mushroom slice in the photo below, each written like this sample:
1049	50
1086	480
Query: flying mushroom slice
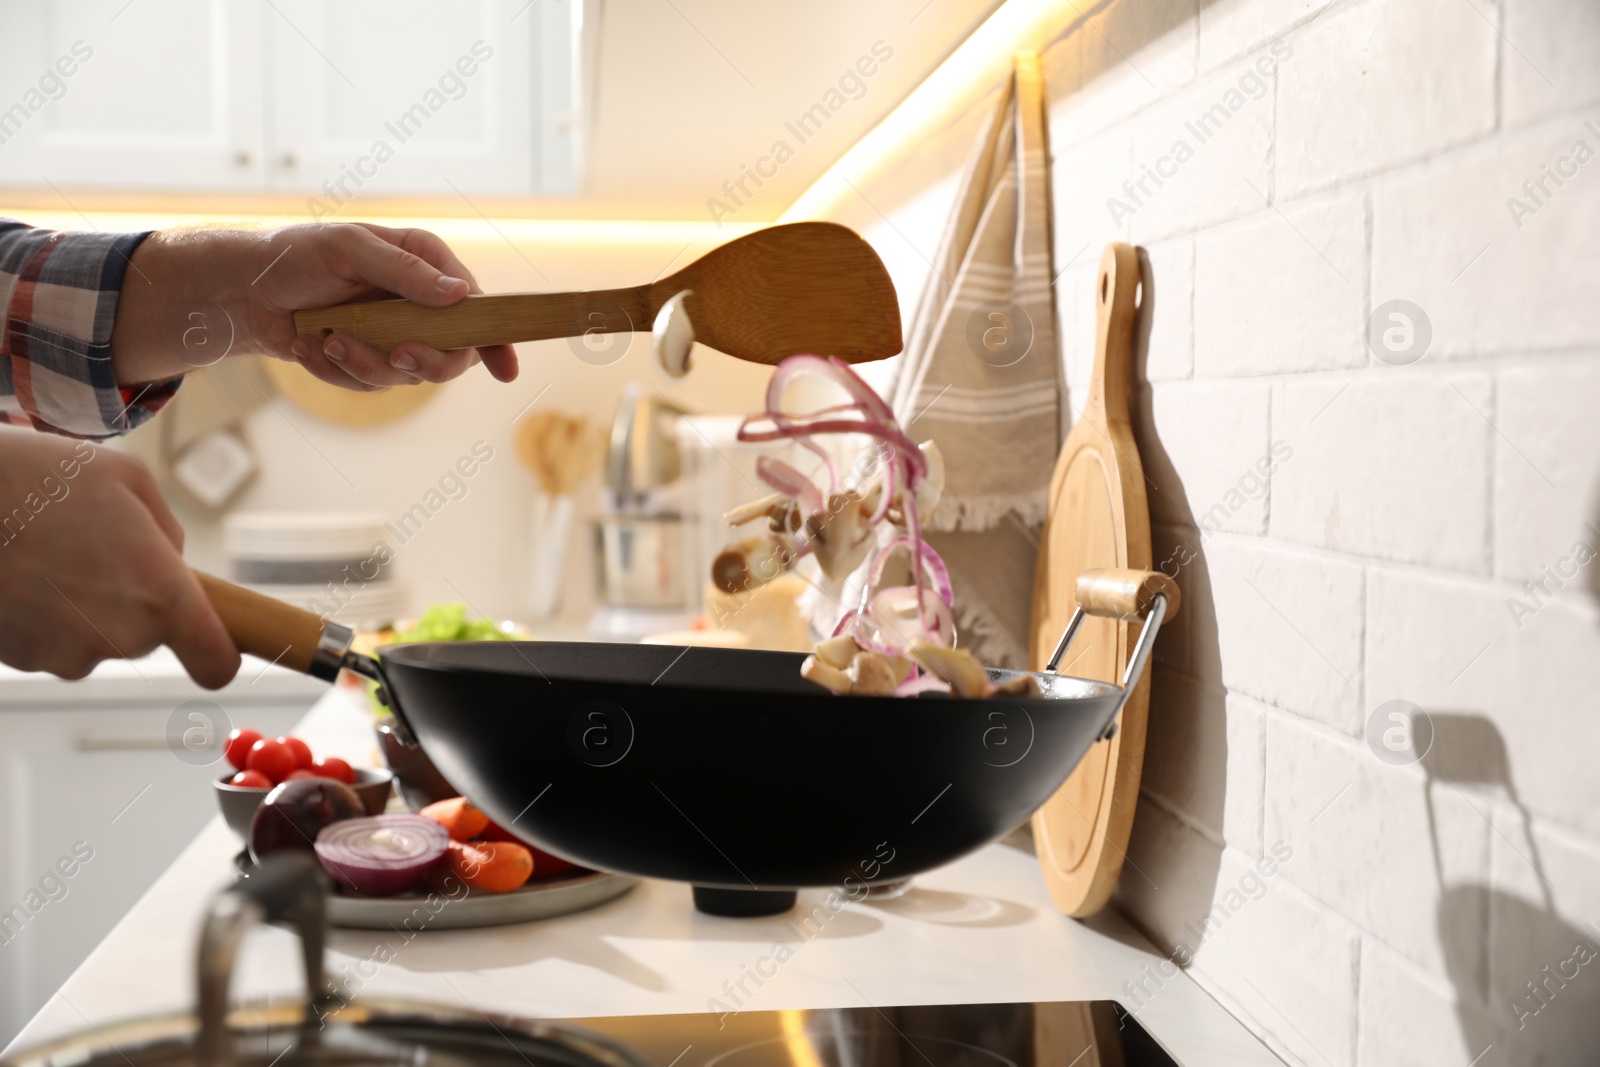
1022	685
830	678
838	652
782	515
841	538
755	561
956	666
863	673
872	675
672	336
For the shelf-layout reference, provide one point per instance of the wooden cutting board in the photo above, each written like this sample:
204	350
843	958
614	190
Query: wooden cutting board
345	406
1098	517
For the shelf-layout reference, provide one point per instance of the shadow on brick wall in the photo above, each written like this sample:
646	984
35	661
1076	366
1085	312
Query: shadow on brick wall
1173	868
1534	995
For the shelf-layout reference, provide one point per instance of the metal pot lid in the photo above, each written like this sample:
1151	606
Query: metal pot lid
379	1032
326	1030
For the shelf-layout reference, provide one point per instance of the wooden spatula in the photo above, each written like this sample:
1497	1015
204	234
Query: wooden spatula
807	287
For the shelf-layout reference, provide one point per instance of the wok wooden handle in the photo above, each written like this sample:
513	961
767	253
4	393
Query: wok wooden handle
482	319
1125	594
266	628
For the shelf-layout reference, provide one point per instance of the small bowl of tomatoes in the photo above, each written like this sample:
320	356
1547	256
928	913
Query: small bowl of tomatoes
257	763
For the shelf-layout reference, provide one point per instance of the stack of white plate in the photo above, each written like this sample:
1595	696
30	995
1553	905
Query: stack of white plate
337	565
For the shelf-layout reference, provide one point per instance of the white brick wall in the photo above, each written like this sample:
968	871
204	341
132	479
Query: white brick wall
1556	61
1378	83
1167	320
1411	1018
1203	758
1230	28
1332	801
1443	237
1393	464
1538	928
1230	170
1203	471
1288	627
1283	291
1386	557
1544	495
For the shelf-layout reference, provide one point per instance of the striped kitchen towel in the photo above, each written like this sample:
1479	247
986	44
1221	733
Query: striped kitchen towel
981	373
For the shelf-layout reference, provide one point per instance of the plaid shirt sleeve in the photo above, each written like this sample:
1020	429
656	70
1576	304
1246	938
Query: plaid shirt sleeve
58	298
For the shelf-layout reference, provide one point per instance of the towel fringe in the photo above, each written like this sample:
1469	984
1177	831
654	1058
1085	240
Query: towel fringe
975	514
983	634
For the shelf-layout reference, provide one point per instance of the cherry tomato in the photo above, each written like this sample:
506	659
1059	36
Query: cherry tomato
301	772
271	758
336	768
300	750
237	749
251	780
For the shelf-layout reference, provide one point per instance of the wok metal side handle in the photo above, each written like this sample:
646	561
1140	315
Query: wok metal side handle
289	887
1122	594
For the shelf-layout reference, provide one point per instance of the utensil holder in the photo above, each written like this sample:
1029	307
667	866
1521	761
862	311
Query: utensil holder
550	534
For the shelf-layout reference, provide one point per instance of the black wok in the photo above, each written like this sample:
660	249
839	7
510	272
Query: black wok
716	766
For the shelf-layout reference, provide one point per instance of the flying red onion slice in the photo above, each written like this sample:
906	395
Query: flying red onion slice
872	623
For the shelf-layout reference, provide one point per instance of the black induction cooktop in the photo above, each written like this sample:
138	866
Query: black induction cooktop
1045	1034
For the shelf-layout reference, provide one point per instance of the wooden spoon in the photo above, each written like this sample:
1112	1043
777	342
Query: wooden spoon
812	287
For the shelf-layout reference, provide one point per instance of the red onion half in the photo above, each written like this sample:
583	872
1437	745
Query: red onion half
381	855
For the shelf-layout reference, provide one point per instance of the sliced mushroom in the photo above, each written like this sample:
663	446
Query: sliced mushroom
841	537
672	336
784	518
871	675
956	666
830	678
838	651
869	493
901	665
755	509
1021	685
753	562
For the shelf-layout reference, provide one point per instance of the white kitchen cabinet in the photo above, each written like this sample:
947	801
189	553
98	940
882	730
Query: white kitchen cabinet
333	100
390	96
89	765
170	91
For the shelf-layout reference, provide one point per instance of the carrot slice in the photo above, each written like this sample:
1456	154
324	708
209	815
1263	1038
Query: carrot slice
458	816
546	864
490	866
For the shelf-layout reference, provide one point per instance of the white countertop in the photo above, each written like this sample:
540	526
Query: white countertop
154	679
979	930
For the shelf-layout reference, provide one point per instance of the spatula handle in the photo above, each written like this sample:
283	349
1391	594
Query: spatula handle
481	319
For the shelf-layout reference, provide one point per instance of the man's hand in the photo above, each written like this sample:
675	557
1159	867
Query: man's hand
91	565
239	290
